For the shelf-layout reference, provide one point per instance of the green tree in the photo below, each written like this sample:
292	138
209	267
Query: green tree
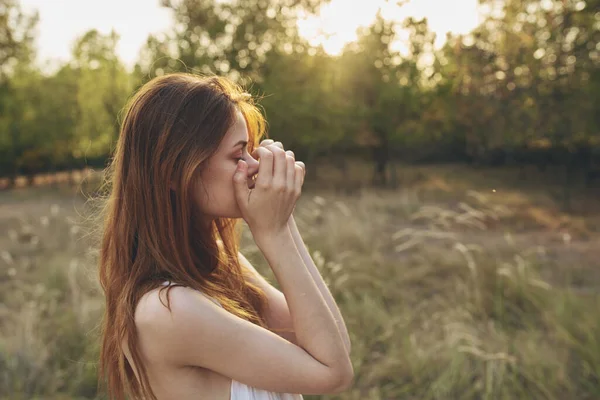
226	37
17	34
303	104
103	85
16	53
384	89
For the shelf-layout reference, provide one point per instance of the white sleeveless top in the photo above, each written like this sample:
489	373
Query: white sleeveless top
241	391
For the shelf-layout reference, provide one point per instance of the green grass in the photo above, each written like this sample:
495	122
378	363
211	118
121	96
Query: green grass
449	290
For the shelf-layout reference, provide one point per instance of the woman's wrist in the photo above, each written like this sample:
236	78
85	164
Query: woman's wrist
273	239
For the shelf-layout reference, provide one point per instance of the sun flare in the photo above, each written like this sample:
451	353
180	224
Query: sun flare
338	21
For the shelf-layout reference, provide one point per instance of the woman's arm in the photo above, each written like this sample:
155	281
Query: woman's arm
278	315
197	332
302	292
314	272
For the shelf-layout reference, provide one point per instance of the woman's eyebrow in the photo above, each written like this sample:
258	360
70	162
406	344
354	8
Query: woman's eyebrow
242	142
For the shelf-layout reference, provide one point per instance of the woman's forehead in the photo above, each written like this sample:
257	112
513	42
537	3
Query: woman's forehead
238	131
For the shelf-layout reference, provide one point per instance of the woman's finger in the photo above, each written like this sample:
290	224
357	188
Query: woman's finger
268	142
265	170
279	167
299	176
291	172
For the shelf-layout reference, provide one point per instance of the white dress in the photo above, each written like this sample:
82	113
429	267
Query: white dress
241	391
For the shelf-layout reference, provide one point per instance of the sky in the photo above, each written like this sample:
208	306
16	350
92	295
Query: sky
62	21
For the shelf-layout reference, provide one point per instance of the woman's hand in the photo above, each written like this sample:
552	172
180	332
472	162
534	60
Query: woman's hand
290	153
268	206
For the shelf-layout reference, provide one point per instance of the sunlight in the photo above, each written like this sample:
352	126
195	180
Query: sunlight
338	21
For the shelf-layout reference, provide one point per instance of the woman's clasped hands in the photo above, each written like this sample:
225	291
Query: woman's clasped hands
267	206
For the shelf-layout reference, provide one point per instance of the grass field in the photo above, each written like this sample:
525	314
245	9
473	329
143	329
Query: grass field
460	284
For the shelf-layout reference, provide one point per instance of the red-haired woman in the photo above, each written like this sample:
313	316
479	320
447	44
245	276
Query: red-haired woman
187	316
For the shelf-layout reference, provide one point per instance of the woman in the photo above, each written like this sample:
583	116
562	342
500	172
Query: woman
187	316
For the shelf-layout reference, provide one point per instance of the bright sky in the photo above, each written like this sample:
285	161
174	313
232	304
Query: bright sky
61	21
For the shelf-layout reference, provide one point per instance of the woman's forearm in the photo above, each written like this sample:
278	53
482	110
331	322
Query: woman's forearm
323	289
314	325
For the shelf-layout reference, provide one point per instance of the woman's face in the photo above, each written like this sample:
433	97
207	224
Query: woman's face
215	195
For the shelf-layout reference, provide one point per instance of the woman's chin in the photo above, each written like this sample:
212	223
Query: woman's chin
237	213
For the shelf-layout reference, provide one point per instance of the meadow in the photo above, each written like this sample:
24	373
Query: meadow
457	284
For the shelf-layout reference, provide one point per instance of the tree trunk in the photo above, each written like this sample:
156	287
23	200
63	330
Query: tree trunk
380	158
393	176
568	182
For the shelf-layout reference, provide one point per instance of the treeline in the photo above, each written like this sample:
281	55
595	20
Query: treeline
523	88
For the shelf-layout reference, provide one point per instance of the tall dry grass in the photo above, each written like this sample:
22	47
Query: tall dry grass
442	299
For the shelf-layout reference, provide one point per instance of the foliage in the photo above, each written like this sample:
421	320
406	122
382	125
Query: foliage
522	88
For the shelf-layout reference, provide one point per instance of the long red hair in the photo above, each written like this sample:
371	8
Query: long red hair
151	233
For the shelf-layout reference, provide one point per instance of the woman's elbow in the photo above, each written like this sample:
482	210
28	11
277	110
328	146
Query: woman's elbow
345	380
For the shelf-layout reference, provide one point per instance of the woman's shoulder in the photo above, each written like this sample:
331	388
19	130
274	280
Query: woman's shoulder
165	333
152	311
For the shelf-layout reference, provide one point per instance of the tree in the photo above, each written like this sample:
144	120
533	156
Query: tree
16	53
103	86
384	104
227	37
16	36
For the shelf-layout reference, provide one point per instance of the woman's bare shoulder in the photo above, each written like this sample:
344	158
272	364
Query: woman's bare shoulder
152	309
164	333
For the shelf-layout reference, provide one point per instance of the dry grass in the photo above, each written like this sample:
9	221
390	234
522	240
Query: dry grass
449	290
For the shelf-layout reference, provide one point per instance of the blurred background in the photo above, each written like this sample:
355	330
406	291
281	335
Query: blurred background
452	198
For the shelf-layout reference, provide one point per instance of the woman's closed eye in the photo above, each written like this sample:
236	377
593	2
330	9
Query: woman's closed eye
241	157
